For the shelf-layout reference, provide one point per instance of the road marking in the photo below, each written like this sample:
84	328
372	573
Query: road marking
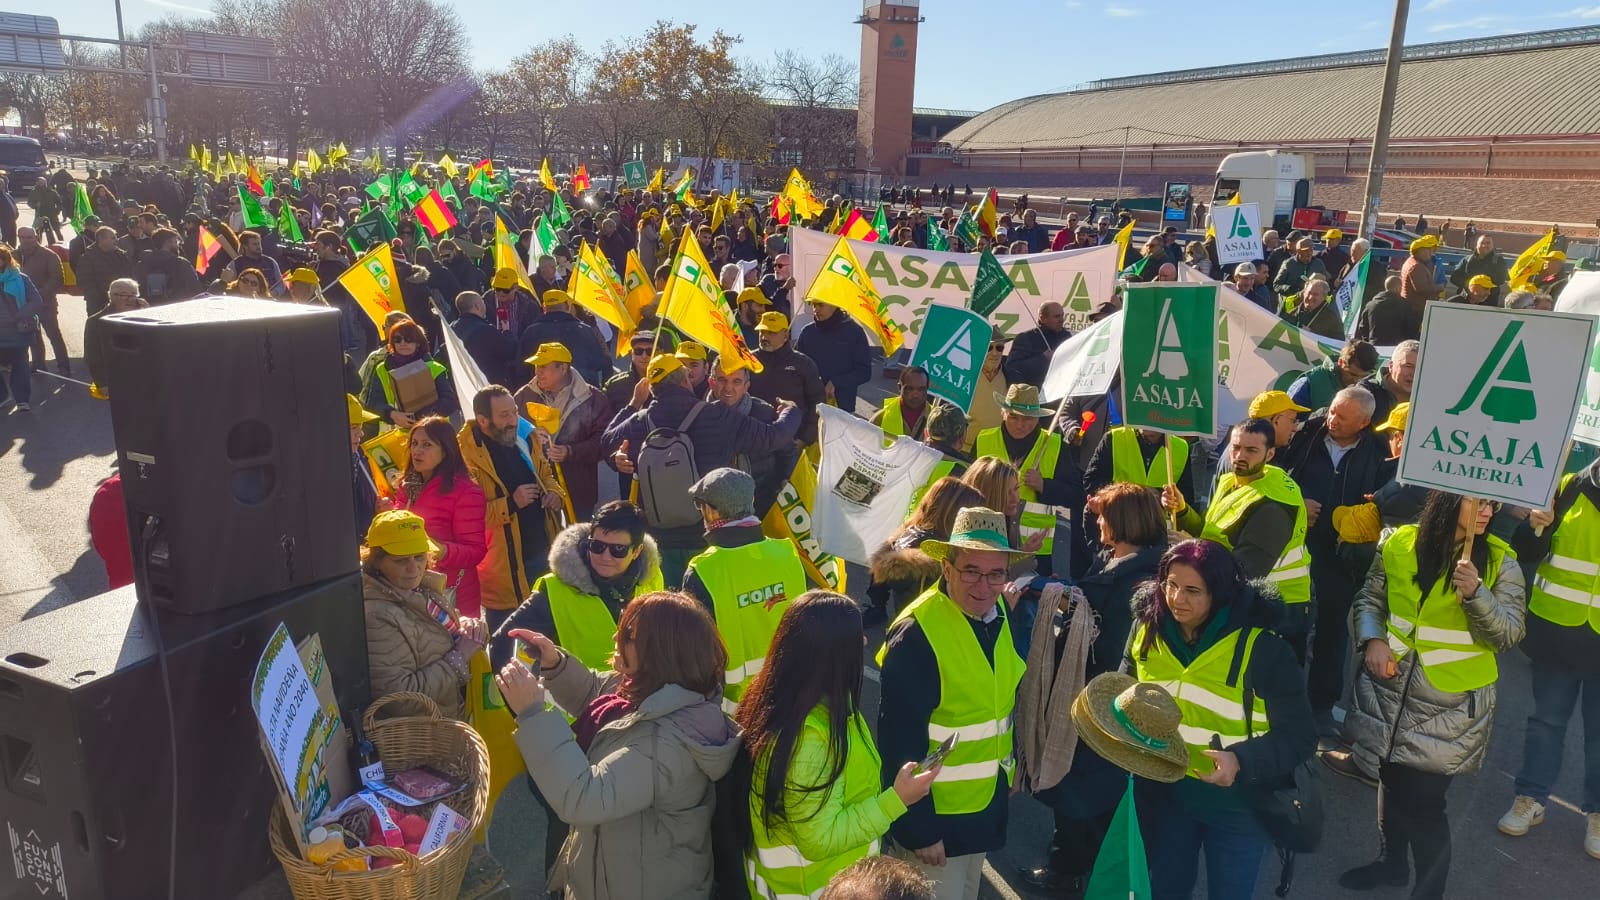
872	674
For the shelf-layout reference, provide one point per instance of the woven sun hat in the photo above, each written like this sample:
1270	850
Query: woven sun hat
976	528
1133	725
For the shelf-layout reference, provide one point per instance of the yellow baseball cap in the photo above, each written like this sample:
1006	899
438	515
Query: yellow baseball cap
773	322
1270	403
551	352
1426	242
400	532
752	295
505	278
690	350
556	297
356	414
1482	281
1332	236
1555	254
1397	418
661	366
303	276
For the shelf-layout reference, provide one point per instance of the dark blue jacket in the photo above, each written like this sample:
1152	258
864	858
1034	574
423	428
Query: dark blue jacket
840	350
558	326
489	347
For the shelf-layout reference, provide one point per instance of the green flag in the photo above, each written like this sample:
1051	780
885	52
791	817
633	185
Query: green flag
544	240
559	212
81	207
254	216
1169	358
967	231
288	225
412	192
482	188
880	224
378	189
371	229
1120	870
1351	295
268	189
936	238
990	287
951	347
447	190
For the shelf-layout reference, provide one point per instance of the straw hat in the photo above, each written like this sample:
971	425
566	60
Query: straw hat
976	528
1133	725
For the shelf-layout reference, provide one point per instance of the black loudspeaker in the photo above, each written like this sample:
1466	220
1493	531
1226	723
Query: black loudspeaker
233	443
86	762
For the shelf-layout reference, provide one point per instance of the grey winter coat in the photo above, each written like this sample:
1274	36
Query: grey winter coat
640	801
1406	719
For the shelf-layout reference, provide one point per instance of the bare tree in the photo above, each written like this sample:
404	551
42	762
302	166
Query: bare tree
549	80
813	111
615	109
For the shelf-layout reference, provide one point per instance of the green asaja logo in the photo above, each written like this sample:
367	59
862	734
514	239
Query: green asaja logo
838	265
1240	227
1502	388
1167	360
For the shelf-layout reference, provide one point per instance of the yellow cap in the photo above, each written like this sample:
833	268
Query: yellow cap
1358	524
550	353
505	278
689	350
353	410
1554	254
1426	242
1270	403
556	297
1482	281
661	366
303	276
773	322
1332	236
399	532
1397	418
753	295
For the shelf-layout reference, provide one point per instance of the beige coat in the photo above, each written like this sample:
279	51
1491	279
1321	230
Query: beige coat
406	646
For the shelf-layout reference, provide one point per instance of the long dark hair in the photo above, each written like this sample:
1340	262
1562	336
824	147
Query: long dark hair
815	658
1216	567
452	467
1437	548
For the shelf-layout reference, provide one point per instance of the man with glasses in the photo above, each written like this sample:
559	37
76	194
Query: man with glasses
123	296
951	669
786	372
778	285
43	268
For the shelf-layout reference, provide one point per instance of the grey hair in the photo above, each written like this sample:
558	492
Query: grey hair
127	283
1361	397
1411	346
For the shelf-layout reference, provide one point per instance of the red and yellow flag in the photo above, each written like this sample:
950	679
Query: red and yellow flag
985	215
252	180
857	228
210	245
580	179
434	214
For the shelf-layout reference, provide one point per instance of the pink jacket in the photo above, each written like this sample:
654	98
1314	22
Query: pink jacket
455	521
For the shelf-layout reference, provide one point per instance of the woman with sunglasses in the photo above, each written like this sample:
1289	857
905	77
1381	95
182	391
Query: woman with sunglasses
250	283
1429	622
406	344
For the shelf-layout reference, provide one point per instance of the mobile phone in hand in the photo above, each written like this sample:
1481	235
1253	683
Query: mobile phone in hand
938	754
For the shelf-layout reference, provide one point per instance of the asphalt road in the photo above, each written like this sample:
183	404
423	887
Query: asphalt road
52	458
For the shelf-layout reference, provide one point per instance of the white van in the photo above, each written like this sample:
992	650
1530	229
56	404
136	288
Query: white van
1277	180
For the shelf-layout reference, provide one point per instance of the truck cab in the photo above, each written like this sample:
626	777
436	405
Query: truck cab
1277	181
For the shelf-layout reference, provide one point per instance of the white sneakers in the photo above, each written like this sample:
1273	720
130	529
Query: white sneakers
1591	842
1525	813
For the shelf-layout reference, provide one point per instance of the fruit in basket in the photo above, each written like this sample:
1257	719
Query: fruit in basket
412	828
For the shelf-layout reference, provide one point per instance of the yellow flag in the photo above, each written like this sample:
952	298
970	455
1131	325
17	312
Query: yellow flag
798	190
545	178
337	152
694	302
313	161
374	284
1121	239
656	180
375	162
1211	230
717	213
842	283
448	165
790	519
205	157
596	291
507	257
638	290
1529	264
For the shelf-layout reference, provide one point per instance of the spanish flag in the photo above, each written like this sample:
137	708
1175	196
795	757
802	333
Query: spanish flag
374	284
694	302
434	214
841	282
252	180
209	247
985	215
856	228
580	179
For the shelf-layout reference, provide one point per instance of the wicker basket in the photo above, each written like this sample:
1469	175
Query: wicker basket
445	744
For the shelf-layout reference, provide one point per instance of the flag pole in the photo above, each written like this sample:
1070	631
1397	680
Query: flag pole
1466	547
1167	452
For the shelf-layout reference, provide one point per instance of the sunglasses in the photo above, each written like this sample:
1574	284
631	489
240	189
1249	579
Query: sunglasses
641	351
617	551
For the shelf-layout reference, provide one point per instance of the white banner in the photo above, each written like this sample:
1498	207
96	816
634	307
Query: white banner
1582	295
1256	351
1494	402
1238	233
909	279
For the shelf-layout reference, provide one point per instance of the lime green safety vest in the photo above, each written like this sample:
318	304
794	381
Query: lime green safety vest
1045	454
975	702
1209	704
1292	573
1127	461
1566	590
750	587
1435	627
894	424
779	869
588	632
387	380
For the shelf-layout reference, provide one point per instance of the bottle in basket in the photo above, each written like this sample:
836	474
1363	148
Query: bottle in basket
368	765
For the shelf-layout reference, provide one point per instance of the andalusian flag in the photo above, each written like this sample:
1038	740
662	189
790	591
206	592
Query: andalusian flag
434	214
985	215
1530	264
580	179
694	302
657	181
1121	871
685	183
638	290
210	246
545	178
81	207
507	257
374	284
542	242
559	214
856	227
252	180
880	224
252	213
313	161
288	225
596	290
801	198
842	283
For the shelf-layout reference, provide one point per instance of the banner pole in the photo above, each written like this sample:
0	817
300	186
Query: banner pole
1167	452
1466	548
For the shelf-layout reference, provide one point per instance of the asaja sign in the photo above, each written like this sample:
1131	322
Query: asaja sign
1495	397
1169	358
953	345
1238	231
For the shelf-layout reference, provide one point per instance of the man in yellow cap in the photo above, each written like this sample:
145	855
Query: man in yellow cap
1483	261
581	415
1279	409
1479	292
786	372
1553	278
697	363
511	308
559	325
1333	256
1417	284
365	488
751	304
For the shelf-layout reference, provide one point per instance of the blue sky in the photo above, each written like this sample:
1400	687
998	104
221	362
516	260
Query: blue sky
1063	42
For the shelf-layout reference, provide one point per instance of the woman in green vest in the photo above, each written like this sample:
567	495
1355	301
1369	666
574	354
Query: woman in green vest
809	767
1429	621
1204	633
407	345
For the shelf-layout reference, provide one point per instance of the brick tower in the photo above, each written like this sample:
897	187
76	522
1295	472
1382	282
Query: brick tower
888	82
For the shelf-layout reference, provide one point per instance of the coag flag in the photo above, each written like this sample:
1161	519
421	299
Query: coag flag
1529	264
375	162
313	161
209	247
374	285
545	178
986	213
449	165
694	302
596	291
250	210
507	257
434	214
1169	353
657	180
841	282
638	291
580	178
856	227
337	153
800	195
790	519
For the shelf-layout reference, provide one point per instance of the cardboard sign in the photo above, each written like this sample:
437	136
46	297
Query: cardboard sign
1238	232
300	729
1169	349
954	344
1496	394
414	387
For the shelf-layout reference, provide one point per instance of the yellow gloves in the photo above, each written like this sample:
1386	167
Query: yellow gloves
1359	524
